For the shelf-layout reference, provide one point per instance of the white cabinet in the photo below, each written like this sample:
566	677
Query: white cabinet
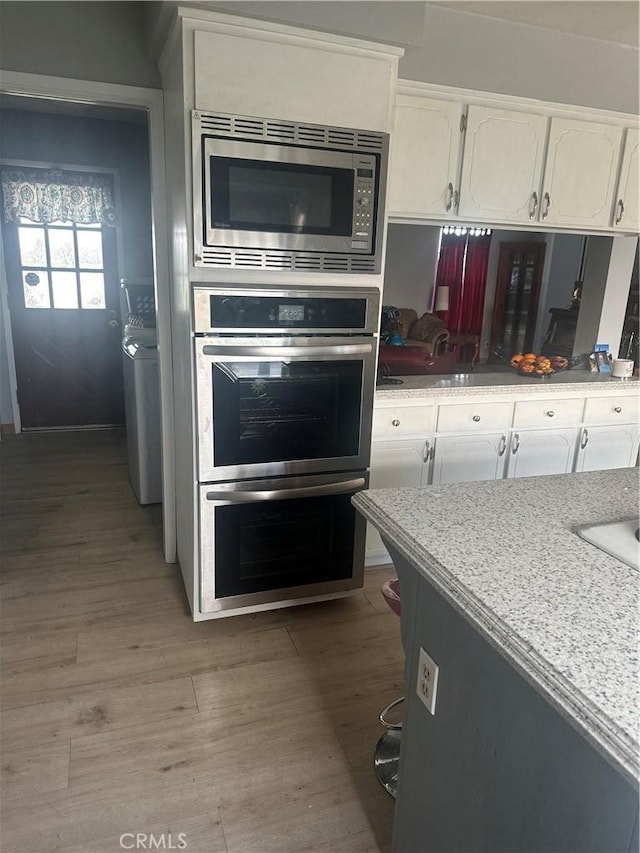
626	213
549	451
463	458
580	173
425	152
403	462
502	165
604	447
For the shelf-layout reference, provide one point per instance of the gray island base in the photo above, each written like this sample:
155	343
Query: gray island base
533	745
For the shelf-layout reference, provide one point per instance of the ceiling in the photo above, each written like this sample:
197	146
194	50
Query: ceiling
607	20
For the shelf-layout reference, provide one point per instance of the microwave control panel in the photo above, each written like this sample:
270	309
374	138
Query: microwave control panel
365	172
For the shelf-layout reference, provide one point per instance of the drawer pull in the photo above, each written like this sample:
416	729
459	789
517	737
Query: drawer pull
395	422
618	409
475	418
550	413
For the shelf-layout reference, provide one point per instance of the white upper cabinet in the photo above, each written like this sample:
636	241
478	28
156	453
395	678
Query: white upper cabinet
580	173
425	154
626	213
502	165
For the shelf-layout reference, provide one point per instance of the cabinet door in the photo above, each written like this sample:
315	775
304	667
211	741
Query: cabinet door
541	452
425	148
394	464
580	173
463	458
607	447
626	214
502	165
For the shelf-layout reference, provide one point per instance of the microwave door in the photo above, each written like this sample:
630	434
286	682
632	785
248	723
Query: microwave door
278	197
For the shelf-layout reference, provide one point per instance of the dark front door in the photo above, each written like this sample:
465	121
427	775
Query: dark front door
64	305
516	300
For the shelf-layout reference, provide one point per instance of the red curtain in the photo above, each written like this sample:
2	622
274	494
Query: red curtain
462	267
474	284
449	273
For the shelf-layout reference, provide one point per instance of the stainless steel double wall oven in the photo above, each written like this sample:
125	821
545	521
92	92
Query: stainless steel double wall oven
285	383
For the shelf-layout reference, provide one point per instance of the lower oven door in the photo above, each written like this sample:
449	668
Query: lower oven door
283	406
279	540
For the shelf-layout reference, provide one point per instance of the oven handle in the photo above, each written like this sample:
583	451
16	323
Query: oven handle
241	496
284	352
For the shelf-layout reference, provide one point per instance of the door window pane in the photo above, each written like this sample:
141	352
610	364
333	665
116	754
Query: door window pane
32	249
65	292
35	285
61	248
90	249
92	290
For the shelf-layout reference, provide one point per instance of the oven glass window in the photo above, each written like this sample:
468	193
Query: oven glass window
271	411
252	195
278	544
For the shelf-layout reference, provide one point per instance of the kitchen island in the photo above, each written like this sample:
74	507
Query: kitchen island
534	741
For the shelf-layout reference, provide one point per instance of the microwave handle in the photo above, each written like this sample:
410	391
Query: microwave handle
241	496
284	352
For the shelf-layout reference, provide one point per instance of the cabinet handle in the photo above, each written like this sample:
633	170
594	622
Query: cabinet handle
550	413
619	211
456	199
617	409
547	205
516	443
584	440
395	422
449	196
532	210
426	452
475	418
503	445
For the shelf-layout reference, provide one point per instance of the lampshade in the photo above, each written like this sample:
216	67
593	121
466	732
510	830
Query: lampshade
442	299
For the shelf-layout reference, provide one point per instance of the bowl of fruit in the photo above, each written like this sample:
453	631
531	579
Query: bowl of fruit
530	364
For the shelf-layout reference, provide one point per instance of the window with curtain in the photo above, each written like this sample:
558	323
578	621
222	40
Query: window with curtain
462	267
59	217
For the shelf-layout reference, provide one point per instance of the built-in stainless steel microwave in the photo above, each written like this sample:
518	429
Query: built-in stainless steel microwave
280	195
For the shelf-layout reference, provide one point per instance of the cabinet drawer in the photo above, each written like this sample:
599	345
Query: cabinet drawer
547	413
402	420
474	417
611	410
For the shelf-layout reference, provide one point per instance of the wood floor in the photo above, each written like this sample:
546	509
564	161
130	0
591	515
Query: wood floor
120	715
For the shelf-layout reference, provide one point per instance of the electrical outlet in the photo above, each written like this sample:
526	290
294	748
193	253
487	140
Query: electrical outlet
427	685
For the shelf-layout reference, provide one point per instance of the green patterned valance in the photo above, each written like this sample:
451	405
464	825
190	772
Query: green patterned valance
53	195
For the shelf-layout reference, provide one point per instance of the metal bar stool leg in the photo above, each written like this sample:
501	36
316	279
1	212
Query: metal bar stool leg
386	756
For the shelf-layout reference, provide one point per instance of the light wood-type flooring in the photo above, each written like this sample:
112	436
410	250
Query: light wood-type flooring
120	715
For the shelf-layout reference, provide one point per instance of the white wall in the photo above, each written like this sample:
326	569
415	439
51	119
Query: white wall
454	48
410	268
119	42
83	40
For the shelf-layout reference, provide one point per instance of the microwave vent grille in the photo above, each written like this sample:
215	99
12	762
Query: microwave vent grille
216	124
291	132
270	260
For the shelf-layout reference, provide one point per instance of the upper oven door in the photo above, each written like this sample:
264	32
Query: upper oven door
287	197
269	407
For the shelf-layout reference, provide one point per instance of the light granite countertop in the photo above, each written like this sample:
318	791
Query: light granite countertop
505	554
506	383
